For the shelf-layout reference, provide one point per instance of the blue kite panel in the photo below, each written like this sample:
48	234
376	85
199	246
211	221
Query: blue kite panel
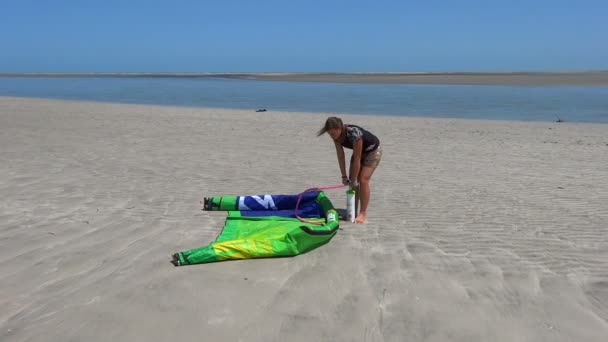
280	205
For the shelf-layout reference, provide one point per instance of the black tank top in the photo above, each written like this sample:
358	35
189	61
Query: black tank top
354	133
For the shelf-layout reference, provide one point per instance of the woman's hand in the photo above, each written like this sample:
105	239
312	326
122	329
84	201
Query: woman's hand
345	180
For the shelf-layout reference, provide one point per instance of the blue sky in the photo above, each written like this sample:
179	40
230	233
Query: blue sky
293	35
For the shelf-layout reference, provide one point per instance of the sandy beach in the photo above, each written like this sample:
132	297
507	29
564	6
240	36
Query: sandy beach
477	231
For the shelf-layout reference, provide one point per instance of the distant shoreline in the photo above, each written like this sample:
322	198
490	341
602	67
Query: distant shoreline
528	78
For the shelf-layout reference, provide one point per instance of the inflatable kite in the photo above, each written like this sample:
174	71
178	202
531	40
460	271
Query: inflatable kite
266	226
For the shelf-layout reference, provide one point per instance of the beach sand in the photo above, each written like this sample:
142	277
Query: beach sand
478	230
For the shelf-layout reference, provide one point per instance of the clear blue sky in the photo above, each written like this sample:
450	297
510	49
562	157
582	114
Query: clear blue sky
293	35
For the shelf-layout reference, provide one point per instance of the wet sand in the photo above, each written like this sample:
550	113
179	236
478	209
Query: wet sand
515	78
525	78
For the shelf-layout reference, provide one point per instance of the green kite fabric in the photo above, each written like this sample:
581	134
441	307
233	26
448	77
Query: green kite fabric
266	226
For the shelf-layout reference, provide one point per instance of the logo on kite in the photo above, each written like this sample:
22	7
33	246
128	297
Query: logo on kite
256	203
331	216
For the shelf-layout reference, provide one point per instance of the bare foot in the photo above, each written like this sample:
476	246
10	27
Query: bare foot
360	218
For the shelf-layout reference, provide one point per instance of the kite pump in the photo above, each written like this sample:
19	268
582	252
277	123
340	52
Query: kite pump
350	204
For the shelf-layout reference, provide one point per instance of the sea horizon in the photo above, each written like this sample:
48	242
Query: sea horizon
515	77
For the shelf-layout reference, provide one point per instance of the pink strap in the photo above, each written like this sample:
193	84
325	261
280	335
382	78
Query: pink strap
314	189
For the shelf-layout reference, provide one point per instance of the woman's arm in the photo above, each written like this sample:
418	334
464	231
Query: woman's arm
356	166
341	163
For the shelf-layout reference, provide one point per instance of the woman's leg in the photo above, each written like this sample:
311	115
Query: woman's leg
369	163
363	193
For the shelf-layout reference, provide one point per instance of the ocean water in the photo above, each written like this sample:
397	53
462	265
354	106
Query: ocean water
568	103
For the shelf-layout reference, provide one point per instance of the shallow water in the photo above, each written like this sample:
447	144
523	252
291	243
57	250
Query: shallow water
568	103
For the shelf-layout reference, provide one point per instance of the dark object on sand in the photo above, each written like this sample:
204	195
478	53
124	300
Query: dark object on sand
260	110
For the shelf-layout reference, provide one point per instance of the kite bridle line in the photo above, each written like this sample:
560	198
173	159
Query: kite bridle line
330	187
